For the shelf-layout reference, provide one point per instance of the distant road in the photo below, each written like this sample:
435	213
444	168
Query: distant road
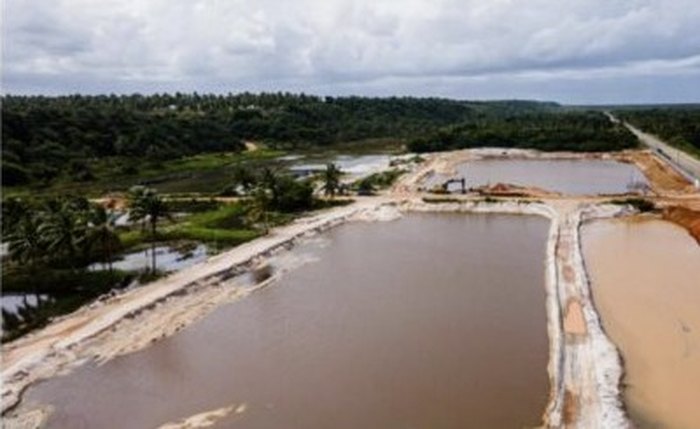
684	163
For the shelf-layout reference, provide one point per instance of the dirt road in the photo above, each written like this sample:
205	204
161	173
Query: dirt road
686	164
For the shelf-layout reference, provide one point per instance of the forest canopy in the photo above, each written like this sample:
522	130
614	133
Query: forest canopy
570	131
678	126
46	138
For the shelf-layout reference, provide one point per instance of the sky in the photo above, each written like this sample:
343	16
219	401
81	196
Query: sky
571	51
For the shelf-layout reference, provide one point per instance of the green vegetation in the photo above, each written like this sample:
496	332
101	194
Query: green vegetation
85	139
678	126
488	200
376	181
221	227
51	243
440	200
550	131
148	207
199	174
331	180
641	204
62	232
192	205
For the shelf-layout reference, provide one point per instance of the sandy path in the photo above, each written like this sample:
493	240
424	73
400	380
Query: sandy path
586	394
686	164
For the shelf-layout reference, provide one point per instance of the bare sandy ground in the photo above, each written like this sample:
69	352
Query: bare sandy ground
205	419
584	367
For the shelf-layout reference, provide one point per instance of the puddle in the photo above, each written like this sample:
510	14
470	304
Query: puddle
167	259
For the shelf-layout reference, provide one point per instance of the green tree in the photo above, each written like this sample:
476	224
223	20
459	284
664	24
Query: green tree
63	228
270	182
102	234
13	211
25	241
244	177
258	208
331	180
149	207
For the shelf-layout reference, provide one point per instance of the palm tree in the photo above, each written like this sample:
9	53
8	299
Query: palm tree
102	233
62	228
25	241
244	177
149	207
258	209
331	180
13	211
270	182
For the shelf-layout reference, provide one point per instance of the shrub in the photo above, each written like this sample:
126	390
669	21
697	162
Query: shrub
641	204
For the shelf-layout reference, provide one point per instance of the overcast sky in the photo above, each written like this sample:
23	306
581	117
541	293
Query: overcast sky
572	51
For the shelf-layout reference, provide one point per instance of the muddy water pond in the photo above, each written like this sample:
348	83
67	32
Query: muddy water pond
573	177
427	321
645	277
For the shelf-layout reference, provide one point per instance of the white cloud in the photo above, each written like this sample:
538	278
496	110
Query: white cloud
128	45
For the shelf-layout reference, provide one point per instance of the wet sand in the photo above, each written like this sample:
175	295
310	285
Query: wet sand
645	279
379	332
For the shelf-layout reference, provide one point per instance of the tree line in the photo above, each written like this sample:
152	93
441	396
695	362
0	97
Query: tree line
49	137
548	131
70	232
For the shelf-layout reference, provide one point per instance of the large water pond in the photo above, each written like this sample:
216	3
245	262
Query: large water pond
573	177
645	277
427	321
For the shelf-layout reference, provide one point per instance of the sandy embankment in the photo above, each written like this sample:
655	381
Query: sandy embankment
205	419
687	218
664	179
584	366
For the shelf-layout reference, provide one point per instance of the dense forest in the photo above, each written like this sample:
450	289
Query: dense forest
678	126
58	138
573	131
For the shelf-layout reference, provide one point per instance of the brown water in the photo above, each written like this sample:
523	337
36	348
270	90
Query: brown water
646	283
429	321
573	177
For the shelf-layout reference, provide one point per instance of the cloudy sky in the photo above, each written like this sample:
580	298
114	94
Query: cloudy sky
572	51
